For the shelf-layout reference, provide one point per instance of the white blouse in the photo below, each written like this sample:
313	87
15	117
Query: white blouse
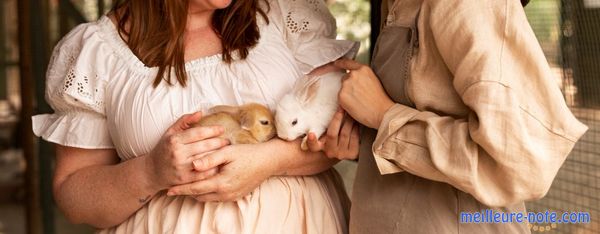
103	97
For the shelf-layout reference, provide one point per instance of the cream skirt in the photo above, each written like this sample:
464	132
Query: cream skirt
290	204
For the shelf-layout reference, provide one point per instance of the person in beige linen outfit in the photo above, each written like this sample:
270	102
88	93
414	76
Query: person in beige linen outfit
464	115
123	136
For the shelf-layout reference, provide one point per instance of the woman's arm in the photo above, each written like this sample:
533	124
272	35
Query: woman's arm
295	161
91	186
518	131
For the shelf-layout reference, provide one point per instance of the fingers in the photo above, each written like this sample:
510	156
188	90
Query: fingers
203	146
354	145
185	122
346	144
347	64
198	133
210	161
213	189
344	138
314	145
205	174
195	188
334	127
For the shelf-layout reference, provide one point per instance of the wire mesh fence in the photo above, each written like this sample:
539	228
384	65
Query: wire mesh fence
569	32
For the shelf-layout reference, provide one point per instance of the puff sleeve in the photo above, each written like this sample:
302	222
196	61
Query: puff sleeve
75	83
309	31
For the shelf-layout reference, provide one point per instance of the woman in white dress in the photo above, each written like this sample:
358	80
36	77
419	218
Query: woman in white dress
121	121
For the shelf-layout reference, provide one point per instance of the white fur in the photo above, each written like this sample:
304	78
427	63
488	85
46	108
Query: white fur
313	112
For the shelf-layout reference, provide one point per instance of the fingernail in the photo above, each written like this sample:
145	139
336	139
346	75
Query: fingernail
196	164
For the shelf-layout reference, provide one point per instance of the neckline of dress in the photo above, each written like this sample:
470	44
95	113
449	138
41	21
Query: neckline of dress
123	49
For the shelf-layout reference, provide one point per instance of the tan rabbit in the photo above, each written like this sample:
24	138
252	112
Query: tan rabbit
247	124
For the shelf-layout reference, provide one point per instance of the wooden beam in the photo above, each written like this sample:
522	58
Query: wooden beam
34	209
375	24
68	12
33	61
100	4
45	151
3	79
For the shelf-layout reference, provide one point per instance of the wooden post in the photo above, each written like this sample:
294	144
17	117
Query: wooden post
69	16
100	8
33	61
34	210
375	24
3	65
45	151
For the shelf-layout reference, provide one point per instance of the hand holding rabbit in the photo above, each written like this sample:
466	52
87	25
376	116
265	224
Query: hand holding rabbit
341	140
170	162
362	95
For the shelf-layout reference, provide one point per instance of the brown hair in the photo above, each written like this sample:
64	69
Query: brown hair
155	32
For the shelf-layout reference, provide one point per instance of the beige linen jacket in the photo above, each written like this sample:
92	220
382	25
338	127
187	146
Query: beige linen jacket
483	124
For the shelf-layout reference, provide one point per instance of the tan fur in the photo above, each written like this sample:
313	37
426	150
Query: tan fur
242	123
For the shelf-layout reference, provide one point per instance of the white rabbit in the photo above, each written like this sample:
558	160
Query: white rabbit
309	107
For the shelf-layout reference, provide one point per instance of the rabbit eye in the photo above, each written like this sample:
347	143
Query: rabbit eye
264	122
294	122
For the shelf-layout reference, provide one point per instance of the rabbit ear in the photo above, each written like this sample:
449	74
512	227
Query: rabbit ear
309	89
234	110
246	120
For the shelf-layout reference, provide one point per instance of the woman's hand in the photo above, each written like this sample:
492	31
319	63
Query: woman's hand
170	162
341	140
244	167
362	95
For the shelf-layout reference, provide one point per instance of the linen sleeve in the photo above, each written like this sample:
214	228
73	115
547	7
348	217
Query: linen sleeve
309	31
519	130
75	84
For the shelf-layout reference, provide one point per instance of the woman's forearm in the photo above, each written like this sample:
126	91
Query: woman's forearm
105	195
295	161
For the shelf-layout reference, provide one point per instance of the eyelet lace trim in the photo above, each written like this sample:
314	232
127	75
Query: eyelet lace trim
295	26
79	87
293	20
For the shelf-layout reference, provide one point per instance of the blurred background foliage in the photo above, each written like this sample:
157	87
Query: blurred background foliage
354	23
544	17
